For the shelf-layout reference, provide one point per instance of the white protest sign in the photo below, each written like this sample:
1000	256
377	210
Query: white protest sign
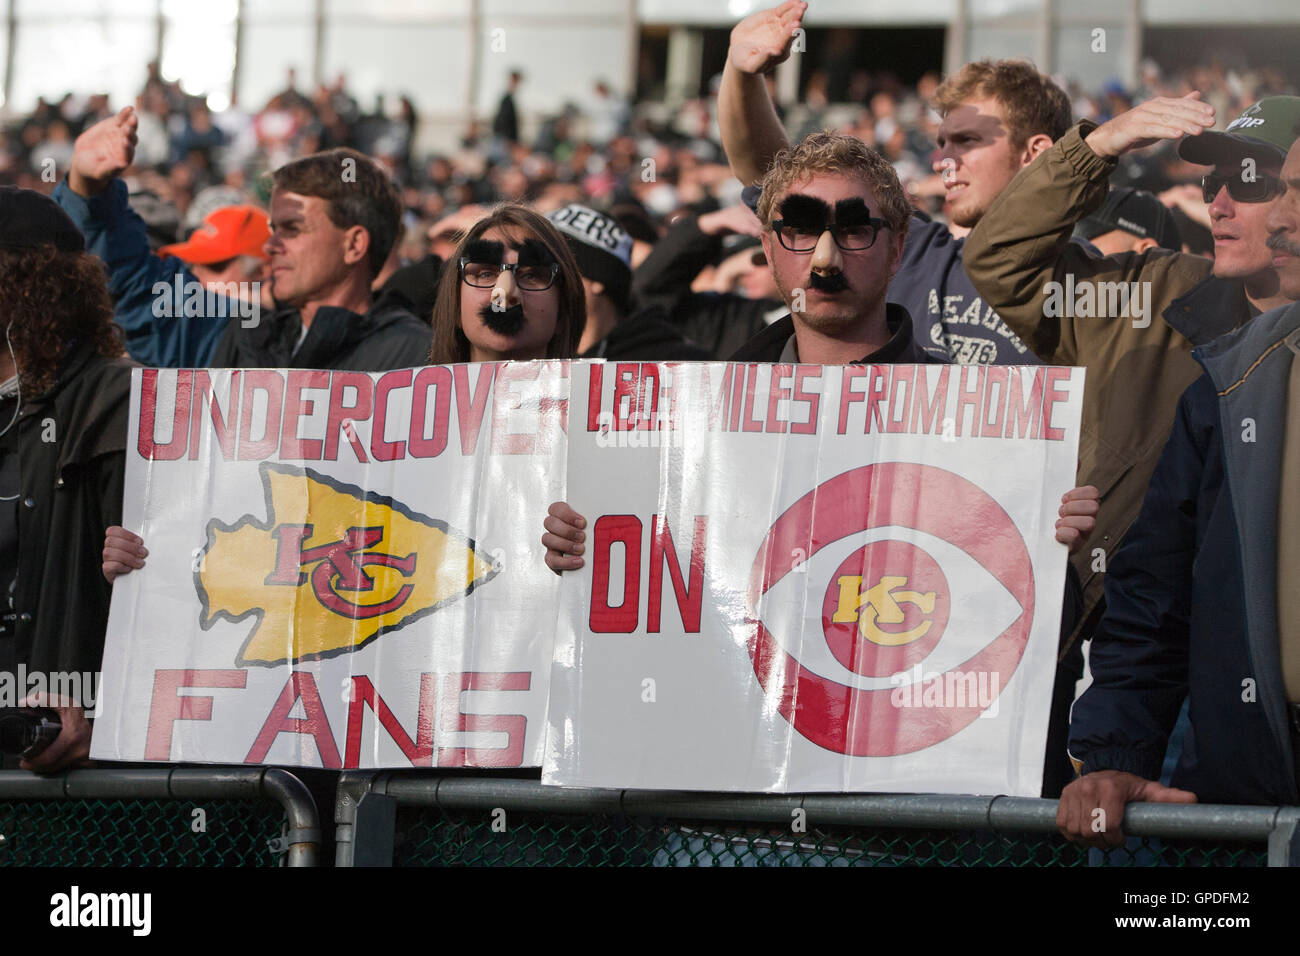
807	578
344	568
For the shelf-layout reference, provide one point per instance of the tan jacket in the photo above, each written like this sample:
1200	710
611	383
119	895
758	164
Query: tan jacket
1138	363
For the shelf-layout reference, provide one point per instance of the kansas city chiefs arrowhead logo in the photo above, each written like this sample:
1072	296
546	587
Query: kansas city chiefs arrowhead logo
330	569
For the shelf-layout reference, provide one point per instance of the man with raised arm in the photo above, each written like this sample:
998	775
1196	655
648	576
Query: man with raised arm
998	115
1201	599
1132	319
334	219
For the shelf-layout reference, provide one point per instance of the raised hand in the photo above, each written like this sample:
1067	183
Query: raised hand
762	40
1161	118
103	151
731	219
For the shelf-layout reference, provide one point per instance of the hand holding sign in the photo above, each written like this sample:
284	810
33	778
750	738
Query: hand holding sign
565	539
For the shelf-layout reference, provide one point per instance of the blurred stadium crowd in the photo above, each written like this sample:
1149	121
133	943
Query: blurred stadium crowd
191	160
625	236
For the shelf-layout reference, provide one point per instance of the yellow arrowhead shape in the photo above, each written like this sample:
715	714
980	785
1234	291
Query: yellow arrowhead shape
330	569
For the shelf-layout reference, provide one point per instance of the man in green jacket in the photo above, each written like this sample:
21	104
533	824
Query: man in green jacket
1132	319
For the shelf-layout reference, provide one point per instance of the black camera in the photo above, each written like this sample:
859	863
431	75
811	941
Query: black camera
26	731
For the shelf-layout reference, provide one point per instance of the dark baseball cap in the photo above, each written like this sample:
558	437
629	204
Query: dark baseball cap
1136	212
29	219
1264	130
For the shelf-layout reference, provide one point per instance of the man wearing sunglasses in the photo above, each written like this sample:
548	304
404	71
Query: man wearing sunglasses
997	116
1202	599
1132	319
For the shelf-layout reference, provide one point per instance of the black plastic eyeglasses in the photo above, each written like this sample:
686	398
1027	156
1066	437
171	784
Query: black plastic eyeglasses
530	278
849	238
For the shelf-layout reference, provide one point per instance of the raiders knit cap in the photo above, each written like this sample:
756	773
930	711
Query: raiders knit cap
602	247
28	220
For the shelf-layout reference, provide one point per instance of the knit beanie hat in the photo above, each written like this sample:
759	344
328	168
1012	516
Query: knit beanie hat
601	246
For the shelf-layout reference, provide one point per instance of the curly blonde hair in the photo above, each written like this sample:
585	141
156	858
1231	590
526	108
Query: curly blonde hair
827	152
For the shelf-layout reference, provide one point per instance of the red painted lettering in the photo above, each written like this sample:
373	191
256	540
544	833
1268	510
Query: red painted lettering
690	596
300	686
166	706
608	531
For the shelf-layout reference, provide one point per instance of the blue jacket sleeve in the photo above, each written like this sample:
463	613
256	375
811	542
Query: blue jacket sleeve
1140	651
148	291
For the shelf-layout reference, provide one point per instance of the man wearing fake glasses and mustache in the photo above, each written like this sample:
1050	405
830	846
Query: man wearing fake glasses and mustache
1133	318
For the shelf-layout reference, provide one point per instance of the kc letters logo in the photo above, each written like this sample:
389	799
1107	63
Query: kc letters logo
330	569
887	674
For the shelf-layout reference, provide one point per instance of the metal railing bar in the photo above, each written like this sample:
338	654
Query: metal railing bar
162	783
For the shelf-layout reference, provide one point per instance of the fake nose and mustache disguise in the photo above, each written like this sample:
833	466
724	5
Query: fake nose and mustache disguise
834	282
812	217
507	322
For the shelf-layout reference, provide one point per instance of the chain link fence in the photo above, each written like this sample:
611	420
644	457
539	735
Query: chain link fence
157	817
427	837
427	820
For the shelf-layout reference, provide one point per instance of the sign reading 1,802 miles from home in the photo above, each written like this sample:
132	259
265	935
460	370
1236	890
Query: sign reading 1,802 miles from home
813	578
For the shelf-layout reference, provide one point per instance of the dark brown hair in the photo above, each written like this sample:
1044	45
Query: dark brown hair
1032	102
449	342
51	300
358	193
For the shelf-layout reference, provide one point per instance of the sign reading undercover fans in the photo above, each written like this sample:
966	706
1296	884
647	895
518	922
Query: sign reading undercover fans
338	571
798	577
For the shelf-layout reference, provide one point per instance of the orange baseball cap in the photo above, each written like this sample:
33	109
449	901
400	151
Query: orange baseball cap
226	232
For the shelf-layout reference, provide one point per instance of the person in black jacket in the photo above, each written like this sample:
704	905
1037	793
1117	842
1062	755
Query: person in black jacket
506	123
334	219
64	401
603	250
718	322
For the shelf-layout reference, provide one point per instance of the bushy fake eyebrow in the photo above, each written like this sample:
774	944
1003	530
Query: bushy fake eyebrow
533	252
809	210
804	209
488	251
851	212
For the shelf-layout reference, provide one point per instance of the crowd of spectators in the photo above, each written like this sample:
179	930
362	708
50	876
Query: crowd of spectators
631	233
612	155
